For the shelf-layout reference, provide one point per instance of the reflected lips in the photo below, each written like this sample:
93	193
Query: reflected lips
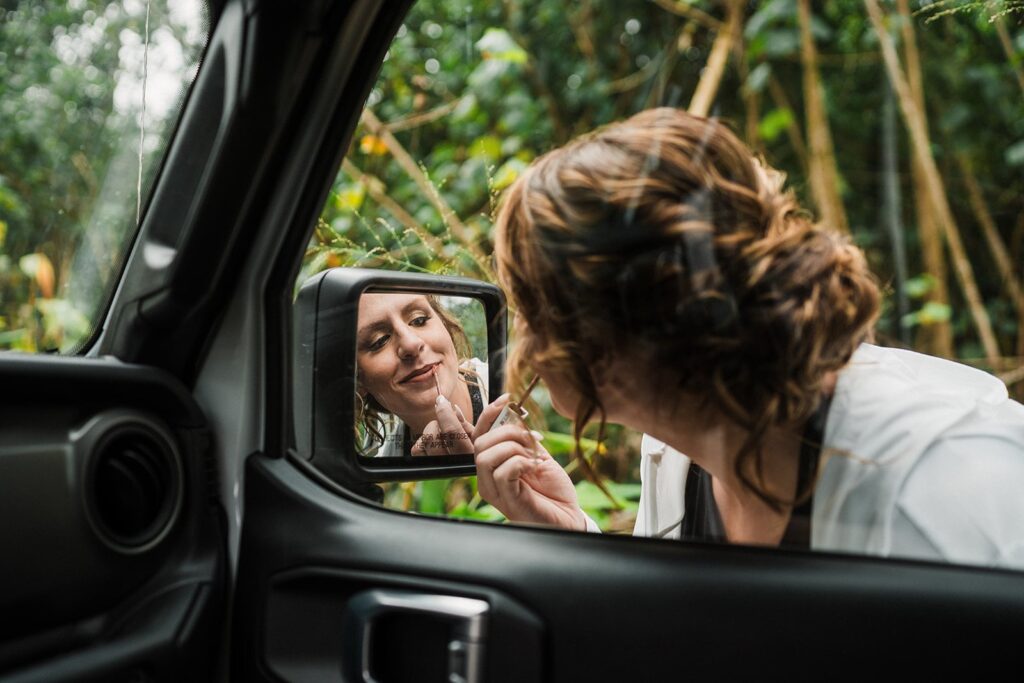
416	375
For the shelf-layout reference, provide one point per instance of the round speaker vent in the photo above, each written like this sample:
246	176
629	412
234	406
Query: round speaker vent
133	483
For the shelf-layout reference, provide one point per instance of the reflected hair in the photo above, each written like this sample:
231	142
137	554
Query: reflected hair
662	238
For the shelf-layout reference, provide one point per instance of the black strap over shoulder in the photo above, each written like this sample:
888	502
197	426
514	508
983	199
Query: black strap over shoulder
702	521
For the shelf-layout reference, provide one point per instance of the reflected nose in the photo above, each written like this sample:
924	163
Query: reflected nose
409	343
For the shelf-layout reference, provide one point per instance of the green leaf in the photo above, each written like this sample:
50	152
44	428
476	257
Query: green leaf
557	444
1014	154
918	287
487	147
935	312
485	513
592	498
432	495
507	174
774	123
768	14
931	313
497	44
758	78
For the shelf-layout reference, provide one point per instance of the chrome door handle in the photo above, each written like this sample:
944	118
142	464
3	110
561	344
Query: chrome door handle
465	649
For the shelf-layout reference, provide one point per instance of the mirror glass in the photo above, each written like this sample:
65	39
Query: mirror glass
421	373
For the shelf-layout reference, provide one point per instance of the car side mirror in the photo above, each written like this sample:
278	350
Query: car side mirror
373	350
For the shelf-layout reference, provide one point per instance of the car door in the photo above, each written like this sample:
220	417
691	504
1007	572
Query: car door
119	488
331	586
269	570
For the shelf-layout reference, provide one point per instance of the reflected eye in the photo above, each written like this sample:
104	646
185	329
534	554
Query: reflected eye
419	321
378	343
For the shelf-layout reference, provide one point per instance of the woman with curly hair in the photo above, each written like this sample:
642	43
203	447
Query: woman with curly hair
417	386
664	280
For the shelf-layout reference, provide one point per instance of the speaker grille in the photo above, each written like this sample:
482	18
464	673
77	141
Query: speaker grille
135	486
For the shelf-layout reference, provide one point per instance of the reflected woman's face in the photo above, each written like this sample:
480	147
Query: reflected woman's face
401	342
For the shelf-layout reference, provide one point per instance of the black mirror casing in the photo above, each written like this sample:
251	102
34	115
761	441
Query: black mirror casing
326	316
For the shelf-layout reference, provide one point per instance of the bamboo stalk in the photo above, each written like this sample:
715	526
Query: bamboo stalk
682	42
796	139
995	243
711	77
936	338
688	11
416	120
1011	54
823	172
579	30
1013	377
406	162
915	124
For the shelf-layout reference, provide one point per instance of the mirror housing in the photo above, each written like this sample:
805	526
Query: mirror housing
324	378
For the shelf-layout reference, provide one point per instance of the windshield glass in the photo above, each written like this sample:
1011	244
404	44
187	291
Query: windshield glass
89	97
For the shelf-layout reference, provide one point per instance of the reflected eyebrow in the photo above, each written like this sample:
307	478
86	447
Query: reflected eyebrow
384	325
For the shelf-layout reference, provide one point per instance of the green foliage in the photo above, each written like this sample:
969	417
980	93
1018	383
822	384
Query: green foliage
473	91
69	154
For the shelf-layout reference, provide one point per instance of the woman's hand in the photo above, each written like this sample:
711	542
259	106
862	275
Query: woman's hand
449	434
521	479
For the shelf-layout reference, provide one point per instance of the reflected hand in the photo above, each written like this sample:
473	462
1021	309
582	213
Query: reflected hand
449	434
519	477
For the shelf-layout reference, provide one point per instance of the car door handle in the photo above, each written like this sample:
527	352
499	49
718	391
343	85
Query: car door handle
465	647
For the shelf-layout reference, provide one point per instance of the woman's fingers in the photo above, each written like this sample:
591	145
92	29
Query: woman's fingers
511	431
492	411
508	474
488	462
467	426
453	436
429	442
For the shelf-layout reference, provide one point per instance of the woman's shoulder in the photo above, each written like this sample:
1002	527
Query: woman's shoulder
887	368
916	433
479	370
885	394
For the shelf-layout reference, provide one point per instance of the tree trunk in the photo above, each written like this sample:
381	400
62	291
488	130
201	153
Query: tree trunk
922	151
1011	54
892	211
823	173
936	338
711	78
780	101
1000	253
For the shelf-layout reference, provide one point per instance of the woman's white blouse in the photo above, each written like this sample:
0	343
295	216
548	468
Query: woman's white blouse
922	458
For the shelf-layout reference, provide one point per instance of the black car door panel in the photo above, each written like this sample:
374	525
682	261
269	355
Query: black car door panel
569	607
114	554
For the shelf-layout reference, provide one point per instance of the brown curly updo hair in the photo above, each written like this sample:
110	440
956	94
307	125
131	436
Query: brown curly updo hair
663	238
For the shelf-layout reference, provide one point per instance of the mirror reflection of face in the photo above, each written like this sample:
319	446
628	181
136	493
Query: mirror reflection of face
401	343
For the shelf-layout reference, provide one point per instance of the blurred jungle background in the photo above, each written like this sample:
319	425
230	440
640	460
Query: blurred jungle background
898	121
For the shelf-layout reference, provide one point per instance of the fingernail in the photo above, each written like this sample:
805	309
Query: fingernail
504	397
441	401
458	411
538	437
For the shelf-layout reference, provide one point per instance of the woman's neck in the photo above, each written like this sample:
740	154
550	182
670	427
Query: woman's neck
713	441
